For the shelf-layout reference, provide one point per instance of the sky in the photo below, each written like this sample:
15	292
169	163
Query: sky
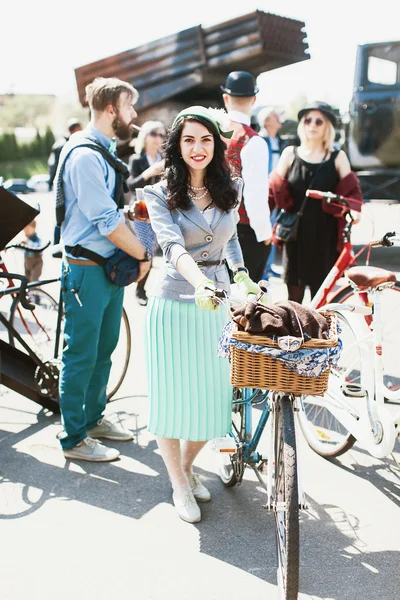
46	40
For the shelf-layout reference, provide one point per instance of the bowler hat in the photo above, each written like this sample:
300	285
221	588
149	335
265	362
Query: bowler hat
240	83
72	123
323	107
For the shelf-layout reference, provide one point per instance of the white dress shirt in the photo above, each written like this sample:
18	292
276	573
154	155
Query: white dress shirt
254	157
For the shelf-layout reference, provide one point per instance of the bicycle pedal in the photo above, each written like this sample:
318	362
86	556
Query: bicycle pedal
223	445
264	464
353	390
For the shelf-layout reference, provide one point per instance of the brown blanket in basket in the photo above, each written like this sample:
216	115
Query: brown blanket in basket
280	319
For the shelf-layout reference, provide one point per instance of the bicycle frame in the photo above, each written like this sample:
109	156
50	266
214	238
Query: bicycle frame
344	261
346	258
12	290
251	440
368	420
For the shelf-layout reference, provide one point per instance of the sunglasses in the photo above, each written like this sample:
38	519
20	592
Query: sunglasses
309	120
156	134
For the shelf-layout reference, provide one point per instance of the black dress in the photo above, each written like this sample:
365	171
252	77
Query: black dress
308	260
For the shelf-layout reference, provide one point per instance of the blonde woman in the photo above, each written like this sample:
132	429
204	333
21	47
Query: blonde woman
145	167
147	164
314	164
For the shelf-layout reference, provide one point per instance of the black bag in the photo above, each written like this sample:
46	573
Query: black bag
287	223
120	268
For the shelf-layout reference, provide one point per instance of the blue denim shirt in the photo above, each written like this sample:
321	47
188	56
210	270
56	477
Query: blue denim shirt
90	211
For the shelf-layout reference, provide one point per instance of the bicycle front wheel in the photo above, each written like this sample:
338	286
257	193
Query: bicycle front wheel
120	358
38	329
286	509
390	311
230	464
322	430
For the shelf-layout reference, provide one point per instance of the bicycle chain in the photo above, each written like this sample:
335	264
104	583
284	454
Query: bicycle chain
46	380
238	465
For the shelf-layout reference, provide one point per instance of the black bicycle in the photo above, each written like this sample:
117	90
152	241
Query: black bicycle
31	334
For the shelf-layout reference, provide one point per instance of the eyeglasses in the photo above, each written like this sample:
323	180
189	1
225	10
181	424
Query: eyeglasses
156	134
309	120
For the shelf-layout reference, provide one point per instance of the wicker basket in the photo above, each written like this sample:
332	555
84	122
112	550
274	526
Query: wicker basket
262	371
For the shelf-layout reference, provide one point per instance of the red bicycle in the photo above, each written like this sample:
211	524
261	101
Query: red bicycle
368	279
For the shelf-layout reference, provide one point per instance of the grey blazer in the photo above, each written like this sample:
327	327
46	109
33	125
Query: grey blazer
186	231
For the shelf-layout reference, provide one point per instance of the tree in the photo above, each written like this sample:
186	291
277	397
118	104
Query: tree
9	149
49	140
26	111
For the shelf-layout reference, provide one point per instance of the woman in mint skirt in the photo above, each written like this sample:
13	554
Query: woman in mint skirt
193	212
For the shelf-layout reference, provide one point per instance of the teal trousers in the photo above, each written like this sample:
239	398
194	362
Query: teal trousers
93	309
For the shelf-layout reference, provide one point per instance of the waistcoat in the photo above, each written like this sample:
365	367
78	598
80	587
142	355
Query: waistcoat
241	136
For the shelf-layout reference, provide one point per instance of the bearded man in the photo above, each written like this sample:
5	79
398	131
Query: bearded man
89	208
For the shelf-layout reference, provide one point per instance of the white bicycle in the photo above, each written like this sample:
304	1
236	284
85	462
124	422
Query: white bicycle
353	408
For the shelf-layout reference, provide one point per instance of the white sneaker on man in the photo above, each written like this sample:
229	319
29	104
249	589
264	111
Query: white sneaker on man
92	450
110	431
200	492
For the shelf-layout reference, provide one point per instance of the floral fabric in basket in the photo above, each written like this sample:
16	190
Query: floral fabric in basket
308	362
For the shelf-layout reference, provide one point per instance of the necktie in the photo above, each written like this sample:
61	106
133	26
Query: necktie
113	146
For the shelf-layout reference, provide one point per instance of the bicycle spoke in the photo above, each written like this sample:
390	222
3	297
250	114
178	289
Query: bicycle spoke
323	432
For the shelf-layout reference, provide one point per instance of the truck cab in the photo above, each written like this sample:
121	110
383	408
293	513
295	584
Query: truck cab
373	137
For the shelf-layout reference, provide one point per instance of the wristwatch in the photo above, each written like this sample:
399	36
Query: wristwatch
146	258
236	271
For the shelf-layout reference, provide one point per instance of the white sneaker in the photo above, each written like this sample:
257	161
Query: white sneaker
89	449
200	492
110	431
187	507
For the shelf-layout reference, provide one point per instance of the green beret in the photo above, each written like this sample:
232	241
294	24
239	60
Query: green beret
205	113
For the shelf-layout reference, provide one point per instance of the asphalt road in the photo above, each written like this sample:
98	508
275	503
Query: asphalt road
108	531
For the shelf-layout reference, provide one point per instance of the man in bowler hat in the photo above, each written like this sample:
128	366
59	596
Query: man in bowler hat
247	154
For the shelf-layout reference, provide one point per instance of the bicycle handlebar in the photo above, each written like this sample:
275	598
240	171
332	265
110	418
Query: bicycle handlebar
331	198
21	290
23	246
357	308
220	296
328	196
385	241
321	195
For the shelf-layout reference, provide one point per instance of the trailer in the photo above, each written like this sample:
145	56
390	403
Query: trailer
188	67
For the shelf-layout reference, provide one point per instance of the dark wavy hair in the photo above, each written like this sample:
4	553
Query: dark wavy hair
217	178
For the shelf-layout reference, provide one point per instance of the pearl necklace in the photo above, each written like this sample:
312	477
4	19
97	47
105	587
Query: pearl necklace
192	187
195	197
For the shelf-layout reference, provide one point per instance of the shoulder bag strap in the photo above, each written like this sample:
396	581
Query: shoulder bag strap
301	209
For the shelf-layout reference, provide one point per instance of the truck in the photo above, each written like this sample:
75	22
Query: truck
372	126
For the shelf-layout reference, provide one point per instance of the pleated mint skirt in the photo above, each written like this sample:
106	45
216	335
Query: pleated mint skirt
190	395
